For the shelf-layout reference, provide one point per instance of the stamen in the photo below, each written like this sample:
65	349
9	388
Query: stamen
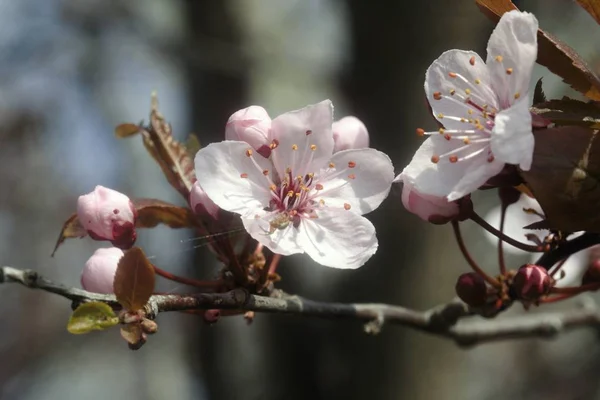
452	91
318	186
437	95
294	147
468	91
499	58
308	132
243	175
452	74
351	164
331	165
440	115
435	159
352	176
420	131
472	60
322	202
347	206
274	144
441	131
517	95
290	193
509	71
249	153
313	147
265	172
453	158
490	158
477	81
273	187
447	136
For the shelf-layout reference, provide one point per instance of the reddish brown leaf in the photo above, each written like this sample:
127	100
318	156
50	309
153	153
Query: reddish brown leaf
569	112
565	177
71	229
172	157
126	130
592	7
152	212
558	57
134	280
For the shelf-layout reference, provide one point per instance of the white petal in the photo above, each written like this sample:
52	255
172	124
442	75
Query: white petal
281	241
290	130
435	179
232	179
512	139
515	40
438	80
372	173
476	175
338	238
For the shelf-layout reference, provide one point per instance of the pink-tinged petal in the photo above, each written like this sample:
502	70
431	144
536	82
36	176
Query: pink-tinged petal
338	239
349	133
433	179
280	241
511	54
359	180
478	173
304	138
429	208
512	139
233	176
202	204
108	215
99	270
455	76
250	125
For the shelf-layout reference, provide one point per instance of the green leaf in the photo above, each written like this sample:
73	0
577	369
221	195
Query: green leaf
94	316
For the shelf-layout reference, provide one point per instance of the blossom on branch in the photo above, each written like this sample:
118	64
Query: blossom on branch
349	133
99	270
484	110
108	215
250	125
303	198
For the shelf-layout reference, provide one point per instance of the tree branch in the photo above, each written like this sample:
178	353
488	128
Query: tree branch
444	321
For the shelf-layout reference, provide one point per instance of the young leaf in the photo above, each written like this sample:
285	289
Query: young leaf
134	280
132	333
555	55
192	145
150	212
565	177
569	112
127	130
592	7
94	316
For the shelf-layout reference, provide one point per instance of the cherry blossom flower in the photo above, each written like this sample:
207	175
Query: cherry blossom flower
349	133
303	198
250	125
99	271
432	209
108	215
201	203
484	110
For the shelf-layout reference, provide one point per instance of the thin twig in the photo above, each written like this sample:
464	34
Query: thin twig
519	245
469	259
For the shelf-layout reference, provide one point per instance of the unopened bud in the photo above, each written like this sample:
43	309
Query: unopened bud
148	326
202	204
212	316
250	125
99	270
531	282
349	133
138	345
471	288
108	215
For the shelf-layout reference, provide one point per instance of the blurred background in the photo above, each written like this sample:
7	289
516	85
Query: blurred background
71	70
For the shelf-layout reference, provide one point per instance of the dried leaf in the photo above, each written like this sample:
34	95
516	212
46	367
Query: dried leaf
555	55
93	316
193	145
150	213
565	177
569	112
132	333
538	93
127	130
172	156
592	7
134	280
71	229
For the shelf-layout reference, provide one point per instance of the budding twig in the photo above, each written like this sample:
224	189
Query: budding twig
519	245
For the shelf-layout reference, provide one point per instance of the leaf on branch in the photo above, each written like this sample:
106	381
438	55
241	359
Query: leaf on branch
172	157
569	112
134	280
127	130
592	7
538	93
71	229
132	333
93	316
192	145
555	55
151	212
565	177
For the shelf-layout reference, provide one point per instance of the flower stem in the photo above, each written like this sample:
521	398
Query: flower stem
187	281
485	225
465	253
274	263
556	298
501	262
573	290
558	267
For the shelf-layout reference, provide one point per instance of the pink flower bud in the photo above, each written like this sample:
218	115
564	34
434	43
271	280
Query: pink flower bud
99	271
250	125
108	215
531	282
212	316
349	133
201	203
592	273
471	289
436	210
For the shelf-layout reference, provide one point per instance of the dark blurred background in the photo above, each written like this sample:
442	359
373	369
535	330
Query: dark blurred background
70	70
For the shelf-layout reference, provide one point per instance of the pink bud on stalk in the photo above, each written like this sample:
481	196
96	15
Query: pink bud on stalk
471	288
250	125
436	210
108	215
202	204
99	271
532	282
349	133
